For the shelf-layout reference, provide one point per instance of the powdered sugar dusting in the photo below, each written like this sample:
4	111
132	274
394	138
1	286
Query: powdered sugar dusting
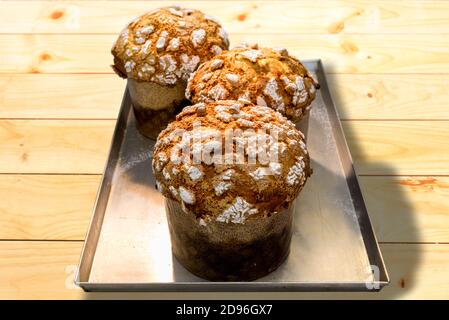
252	54
198	37
215	64
216	49
271	91
217	92
160	44
224	35
207	76
275	168
302	145
194	173
300	95
147	68
296	172
173	191
166	174
159	186
237	212
139	40
260	173
245	123
227	175
186	196
129	66
176	11
188	66
299	81
232	78
261	102
145	48
222	187
167	63
147	30
173	45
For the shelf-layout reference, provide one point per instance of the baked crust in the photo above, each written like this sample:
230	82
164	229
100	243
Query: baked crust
212	180
167	44
265	76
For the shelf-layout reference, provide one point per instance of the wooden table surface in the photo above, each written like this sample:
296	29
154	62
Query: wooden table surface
388	68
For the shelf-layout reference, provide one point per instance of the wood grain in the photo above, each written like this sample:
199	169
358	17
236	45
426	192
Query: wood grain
399	147
391	96
46	207
98	96
408	208
387	61
353	16
37	270
81	146
63	96
46	146
58	207
31	53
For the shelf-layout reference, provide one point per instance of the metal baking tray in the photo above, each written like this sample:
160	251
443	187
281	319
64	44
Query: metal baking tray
333	246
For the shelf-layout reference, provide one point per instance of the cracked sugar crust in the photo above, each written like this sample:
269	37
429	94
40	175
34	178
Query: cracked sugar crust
166	45
197	161
265	76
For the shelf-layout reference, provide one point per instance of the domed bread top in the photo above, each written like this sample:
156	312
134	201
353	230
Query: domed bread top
268	77
167	44
231	161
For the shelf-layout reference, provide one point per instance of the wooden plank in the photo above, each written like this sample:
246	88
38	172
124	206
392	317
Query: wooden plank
38	270
399	147
33	270
98	96
340	53
352	16
414	207
80	146
46	207
46	146
391	96
55	207
408	209
88	96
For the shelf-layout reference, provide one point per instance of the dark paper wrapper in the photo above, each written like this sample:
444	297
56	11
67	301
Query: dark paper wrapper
221	251
155	106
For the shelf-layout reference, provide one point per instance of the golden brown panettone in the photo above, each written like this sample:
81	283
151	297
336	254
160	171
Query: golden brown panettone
267	77
167	44
231	161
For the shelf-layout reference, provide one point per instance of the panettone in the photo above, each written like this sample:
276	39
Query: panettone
157	52
230	172
268	176
167	44
265	76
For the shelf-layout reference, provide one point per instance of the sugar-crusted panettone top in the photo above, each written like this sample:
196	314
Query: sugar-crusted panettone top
268	77
230	161
167	44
